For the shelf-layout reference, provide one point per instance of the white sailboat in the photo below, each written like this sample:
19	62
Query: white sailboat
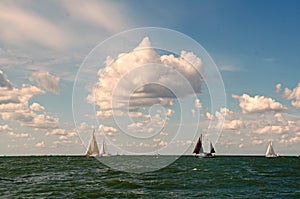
270	153
92	150
198	150
103	151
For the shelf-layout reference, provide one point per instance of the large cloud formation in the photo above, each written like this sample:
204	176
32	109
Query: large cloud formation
144	64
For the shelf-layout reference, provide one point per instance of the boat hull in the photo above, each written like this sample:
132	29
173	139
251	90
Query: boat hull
205	155
272	156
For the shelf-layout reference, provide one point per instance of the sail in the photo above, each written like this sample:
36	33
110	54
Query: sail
104	151
212	149
103	148
270	151
198	148
93	149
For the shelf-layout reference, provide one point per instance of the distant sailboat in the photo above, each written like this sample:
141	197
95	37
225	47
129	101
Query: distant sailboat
92	150
104	152
270	153
198	150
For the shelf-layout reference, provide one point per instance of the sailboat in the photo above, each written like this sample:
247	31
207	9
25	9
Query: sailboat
92	150
103	151
198	150
270	153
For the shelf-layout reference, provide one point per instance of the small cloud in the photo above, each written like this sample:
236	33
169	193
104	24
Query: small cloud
257	142
37	107
56	131
5	128
162	143
198	104
229	68
278	88
269	59
193	112
40	144
19	135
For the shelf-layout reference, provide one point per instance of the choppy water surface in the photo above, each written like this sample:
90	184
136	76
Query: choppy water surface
188	177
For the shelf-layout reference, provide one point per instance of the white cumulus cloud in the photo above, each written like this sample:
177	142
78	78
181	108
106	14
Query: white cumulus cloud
124	73
15	106
258	103
46	81
293	95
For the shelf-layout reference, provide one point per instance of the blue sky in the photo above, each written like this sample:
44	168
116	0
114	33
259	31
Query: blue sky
255	45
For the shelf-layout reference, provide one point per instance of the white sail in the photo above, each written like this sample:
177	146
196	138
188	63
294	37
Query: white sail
103	151
270	151
201	148
92	149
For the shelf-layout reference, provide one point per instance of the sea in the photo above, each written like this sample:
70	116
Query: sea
186	177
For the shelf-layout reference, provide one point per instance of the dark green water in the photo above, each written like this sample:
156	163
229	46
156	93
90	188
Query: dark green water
188	177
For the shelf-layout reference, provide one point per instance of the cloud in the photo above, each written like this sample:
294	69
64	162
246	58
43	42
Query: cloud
108	130
18	135
283	127
229	68
233	125
37	107
23	26
128	71
293	95
198	104
40	144
62	133
5	128
257	142
4	82
46	81
226	120
270	129
163	143
258	103
148	124
15	106
278	88
98	14
61	25
289	140
269	59
209	116
57	131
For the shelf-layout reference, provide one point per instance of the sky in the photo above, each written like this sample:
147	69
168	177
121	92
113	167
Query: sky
254	44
